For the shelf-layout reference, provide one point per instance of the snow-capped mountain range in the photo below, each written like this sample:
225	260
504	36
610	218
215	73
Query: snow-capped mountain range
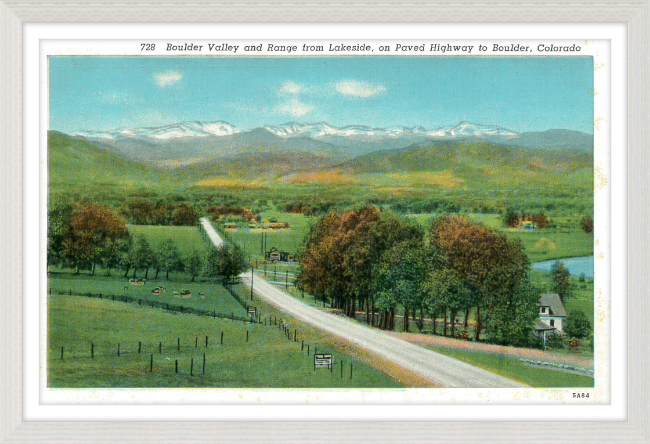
203	140
175	131
295	129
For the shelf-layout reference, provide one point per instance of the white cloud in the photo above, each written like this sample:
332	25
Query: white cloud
295	108
167	78
292	88
358	89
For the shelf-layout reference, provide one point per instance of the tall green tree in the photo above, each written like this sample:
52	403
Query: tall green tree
226	262
141	256
446	293
511	321
58	217
169	257
561	280
489	265
400	280
193	264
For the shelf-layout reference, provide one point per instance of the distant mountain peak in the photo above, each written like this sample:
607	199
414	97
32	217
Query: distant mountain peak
469	129
175	131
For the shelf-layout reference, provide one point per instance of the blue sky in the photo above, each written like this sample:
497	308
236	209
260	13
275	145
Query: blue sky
521	94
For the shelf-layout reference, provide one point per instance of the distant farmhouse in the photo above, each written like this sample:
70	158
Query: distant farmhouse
275	255
551	315
528	225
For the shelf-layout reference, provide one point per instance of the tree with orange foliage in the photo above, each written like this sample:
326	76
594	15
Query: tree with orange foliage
490	266
90	231
323	260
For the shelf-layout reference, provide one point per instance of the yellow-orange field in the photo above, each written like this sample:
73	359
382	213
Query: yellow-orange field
327	177
229	183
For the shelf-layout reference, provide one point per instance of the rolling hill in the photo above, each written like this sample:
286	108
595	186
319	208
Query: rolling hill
78	164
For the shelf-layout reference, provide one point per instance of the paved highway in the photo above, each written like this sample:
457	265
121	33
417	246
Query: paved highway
438	368
216	240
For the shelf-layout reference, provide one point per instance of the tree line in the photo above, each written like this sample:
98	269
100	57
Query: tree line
84	236
386	263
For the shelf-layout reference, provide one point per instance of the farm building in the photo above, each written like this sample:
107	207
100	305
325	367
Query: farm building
528	225
551	314
279	225
230	226
275	255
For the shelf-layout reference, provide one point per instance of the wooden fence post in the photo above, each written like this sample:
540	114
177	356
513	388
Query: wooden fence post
177	366
307	349
92	350
196	342
206	341
221	338
139	346
203	363
160	347
192	367
179	344
246	335
118	349
62	353
151	365
302	345
350	371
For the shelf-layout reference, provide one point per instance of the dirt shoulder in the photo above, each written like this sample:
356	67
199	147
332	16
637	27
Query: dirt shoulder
515	352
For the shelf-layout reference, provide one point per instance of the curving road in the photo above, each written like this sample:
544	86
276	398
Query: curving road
438	368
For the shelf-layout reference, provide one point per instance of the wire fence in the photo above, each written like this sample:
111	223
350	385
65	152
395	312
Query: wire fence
170	307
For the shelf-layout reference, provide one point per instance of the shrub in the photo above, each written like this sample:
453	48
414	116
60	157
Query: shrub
577	325
555	342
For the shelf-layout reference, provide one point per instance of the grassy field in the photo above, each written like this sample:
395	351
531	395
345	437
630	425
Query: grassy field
290	240
216	297
267	360
514	369
185	238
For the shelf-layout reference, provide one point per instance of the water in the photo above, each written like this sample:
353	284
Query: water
575	266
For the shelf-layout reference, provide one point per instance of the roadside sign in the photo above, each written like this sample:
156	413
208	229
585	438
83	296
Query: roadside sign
252	312
323	361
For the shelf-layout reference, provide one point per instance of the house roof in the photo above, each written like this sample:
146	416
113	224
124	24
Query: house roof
540	326
553	301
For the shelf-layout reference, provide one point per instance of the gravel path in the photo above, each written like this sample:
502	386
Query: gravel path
438	368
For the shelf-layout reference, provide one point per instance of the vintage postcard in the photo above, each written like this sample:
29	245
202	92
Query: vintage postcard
326	221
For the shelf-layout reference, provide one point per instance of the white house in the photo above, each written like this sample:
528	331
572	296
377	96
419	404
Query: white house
551	314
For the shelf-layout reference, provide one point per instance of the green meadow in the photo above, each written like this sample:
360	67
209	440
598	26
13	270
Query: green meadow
187	239
515	369
215	297
267	360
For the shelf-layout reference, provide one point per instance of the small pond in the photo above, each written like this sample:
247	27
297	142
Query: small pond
575	265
